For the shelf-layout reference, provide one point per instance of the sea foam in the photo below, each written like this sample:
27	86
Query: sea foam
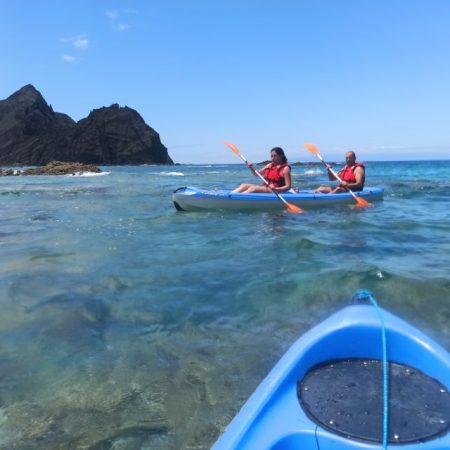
312	172
171	174
88	174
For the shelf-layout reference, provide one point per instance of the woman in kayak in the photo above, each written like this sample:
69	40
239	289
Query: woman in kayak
352	176
277	173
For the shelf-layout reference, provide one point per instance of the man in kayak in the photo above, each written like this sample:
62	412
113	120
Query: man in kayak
277	173
352	176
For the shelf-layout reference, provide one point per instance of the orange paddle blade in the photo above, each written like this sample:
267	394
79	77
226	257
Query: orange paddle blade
294	209
233	148
312	148
361	203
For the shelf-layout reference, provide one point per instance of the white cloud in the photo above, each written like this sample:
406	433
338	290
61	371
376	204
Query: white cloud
112	14
69	58
122	27
80	41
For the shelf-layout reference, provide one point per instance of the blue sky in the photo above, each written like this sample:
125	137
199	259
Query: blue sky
367	75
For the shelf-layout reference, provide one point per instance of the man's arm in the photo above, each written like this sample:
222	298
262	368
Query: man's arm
331	177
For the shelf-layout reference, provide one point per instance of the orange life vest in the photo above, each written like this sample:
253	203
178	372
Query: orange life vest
274	174
348	173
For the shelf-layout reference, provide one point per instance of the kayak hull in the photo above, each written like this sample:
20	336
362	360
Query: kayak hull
272	418
195	199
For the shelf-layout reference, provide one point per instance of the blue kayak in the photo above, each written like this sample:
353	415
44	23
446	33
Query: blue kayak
335	389
196	199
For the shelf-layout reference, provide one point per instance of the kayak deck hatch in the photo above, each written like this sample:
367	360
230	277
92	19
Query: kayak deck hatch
345	397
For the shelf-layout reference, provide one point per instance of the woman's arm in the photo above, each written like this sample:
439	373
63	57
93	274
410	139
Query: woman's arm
261	171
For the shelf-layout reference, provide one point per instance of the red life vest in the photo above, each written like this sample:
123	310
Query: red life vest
348	173
274	174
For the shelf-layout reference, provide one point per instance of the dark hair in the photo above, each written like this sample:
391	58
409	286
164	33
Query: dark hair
280	152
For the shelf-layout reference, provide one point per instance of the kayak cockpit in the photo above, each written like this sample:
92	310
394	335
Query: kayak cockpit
337	389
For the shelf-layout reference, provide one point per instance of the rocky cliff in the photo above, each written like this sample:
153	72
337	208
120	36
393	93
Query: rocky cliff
31	133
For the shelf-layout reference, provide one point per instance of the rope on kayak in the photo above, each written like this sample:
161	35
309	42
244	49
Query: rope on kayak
358	297
317	439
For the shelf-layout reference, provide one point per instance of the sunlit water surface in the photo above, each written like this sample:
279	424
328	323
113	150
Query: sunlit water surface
128	325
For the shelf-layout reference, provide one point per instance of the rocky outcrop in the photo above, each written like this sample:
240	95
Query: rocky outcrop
117	136
31	133
54	168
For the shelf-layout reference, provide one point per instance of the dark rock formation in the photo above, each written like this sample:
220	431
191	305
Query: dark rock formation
53	168
117	136
31	133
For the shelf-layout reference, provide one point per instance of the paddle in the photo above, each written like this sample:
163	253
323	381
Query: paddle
361	203
290	207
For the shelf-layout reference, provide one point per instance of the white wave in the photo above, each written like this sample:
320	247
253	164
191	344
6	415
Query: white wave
88	174
312	172
171	174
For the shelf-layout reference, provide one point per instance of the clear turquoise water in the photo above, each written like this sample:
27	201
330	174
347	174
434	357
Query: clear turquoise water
126	324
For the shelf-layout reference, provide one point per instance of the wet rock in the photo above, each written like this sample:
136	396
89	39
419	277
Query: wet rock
55	168
8	172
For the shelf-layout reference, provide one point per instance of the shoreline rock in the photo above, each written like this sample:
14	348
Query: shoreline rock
53	168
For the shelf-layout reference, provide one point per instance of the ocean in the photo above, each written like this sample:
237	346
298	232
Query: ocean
128	325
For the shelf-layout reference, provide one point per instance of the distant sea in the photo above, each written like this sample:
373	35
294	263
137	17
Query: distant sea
128	325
